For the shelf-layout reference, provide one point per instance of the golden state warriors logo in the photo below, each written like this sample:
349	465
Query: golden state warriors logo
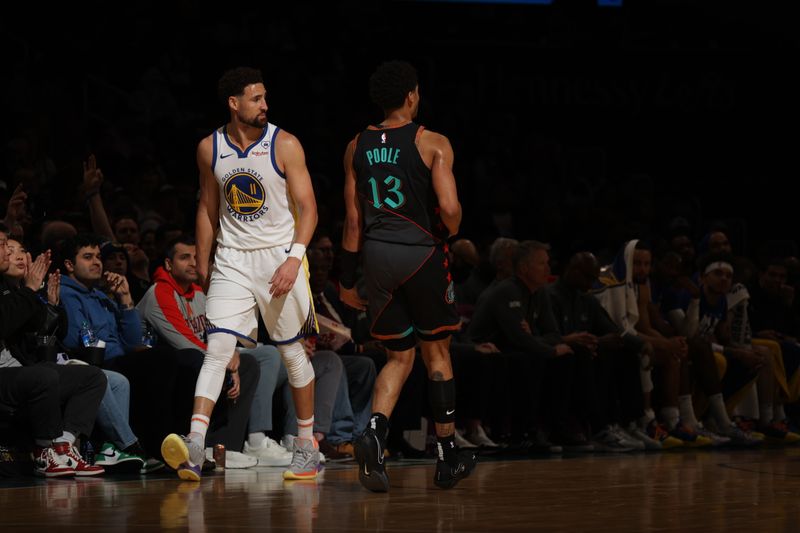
245	196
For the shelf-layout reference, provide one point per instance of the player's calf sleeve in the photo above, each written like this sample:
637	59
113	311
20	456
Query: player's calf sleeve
442	395
298	366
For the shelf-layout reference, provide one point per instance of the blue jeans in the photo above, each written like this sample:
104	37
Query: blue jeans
112	415
273	375
328	372
353	405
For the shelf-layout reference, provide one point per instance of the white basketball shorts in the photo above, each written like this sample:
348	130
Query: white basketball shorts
240	285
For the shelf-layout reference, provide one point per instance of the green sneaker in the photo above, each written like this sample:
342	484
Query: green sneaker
151	464
110	455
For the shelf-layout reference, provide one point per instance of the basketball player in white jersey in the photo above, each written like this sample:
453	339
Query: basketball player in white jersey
256	198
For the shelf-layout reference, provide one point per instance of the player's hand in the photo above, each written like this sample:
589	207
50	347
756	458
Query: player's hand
233	368
309	346
351	298
203	277
283	279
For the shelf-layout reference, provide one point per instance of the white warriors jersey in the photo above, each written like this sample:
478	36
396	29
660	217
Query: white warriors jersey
255	209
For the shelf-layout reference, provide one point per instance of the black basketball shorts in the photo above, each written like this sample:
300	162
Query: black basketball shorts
410	293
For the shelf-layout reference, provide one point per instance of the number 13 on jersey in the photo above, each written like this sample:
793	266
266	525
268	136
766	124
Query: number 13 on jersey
392	196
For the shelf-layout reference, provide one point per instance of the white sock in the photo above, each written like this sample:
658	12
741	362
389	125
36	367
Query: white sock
305	428
764	414
748	407
687	411
199	428
718	411
670	415
649	416
255	440
646	379
66	437
778	413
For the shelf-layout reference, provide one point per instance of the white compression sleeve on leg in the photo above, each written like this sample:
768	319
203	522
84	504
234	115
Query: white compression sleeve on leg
298	366
218	354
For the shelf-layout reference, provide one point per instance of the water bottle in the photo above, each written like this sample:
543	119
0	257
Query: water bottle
87	451
88	337
148	334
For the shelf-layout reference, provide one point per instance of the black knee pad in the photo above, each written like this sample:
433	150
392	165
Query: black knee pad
442	395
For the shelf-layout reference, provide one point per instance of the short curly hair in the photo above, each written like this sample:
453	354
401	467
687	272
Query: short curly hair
391	82
233	82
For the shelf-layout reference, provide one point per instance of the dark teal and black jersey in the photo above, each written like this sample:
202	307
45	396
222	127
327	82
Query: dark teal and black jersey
395	187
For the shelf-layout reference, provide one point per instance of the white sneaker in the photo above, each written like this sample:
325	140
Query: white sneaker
270	453
238	460
627	440
234	460
461	442
716	438
481	439
288	442
609	441
636	433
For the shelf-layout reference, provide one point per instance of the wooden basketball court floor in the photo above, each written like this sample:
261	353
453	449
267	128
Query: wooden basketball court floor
756	490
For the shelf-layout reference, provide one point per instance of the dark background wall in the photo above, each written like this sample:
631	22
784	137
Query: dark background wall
571	123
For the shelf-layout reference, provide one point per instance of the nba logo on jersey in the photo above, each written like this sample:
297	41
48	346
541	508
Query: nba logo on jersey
245	196
383	138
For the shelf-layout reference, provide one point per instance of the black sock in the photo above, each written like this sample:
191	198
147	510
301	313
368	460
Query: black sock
446	448
135	449
380	424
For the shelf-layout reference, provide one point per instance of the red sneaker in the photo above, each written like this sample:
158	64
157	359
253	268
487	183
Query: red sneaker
48	463
81	467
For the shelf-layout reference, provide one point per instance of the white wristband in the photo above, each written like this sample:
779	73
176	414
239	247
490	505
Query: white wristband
298	250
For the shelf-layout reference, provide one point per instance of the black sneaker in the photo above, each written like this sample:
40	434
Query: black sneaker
369	454
447	475
542	445
571	441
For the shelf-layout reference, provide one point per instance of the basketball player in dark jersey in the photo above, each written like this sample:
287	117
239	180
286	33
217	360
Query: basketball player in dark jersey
402	205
